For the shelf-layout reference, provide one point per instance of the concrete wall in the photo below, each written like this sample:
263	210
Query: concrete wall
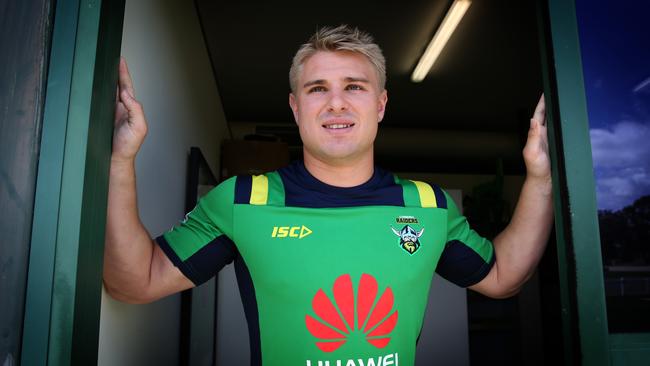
164	48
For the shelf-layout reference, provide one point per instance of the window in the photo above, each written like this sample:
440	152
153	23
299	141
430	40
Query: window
615	54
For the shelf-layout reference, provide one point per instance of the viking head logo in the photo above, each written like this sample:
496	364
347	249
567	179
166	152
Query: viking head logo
409	238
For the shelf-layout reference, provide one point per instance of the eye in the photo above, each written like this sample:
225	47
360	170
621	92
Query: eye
317	89
355	87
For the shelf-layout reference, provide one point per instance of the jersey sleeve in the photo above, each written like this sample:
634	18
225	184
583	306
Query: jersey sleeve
201	244
467	257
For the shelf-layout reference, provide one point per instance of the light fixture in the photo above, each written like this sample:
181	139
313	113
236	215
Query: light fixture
453	17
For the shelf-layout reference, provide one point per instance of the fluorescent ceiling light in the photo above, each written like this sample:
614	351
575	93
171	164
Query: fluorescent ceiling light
453	17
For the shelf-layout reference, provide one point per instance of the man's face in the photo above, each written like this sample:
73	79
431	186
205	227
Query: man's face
338	105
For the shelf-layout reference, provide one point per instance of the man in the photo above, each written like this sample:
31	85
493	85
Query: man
334	256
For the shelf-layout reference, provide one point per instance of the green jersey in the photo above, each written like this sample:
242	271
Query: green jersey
329	276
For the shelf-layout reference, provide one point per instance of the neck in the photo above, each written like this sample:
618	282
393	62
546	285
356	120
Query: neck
347	173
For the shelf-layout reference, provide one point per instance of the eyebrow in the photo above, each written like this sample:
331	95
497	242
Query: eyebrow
348	79
314	82
356	80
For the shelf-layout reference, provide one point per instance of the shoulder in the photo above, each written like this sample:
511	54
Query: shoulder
262	189
424	194
223	192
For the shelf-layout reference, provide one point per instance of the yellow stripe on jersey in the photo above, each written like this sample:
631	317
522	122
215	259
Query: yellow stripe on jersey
427	197
259	190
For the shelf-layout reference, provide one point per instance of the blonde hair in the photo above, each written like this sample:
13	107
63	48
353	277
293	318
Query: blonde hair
341	38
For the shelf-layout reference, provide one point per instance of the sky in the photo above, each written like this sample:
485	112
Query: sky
615	48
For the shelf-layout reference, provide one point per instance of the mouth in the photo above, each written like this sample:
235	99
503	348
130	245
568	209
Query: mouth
338	125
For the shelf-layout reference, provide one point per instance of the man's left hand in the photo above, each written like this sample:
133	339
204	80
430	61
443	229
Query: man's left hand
536	157
519	247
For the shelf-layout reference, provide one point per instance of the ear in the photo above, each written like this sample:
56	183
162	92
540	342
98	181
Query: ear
294	106
383	99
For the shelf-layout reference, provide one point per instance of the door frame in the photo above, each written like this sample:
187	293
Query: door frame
578	242
61	324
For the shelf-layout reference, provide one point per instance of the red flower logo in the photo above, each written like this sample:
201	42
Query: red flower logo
333	328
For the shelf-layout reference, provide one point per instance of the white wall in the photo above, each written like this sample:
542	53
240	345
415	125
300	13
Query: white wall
163	45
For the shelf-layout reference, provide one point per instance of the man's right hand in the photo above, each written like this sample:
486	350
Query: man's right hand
136	270
130	123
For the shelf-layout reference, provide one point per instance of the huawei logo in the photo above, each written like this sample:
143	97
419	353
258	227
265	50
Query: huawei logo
336	321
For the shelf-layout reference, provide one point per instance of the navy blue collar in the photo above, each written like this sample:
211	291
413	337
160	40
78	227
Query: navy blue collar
304	190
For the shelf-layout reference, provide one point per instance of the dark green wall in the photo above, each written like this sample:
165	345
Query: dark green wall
25	29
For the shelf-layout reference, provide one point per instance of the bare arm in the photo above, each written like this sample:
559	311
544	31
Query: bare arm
135	268
520	246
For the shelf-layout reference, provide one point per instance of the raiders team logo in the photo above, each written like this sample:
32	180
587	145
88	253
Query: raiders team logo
409	238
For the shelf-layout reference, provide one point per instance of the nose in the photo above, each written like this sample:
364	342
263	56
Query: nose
337	103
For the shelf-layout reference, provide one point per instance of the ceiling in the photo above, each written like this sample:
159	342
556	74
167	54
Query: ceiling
485	83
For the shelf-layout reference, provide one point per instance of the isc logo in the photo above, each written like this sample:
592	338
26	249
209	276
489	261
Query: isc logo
290	232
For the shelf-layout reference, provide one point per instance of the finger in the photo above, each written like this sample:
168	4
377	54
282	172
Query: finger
540	112
130	103
117	96
126	83
120	109
538	134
